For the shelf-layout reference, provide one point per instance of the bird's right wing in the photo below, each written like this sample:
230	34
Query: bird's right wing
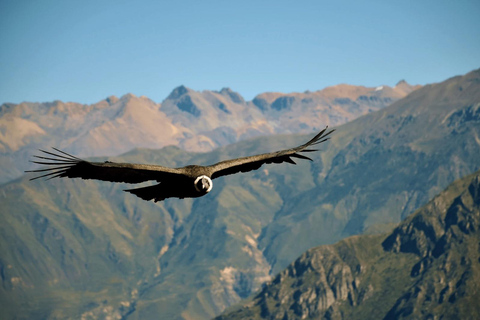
254	162
62	164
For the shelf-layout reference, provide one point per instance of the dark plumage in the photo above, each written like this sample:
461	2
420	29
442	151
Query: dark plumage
187	182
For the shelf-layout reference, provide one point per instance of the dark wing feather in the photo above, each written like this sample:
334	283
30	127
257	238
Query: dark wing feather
176	188
61	164
254	162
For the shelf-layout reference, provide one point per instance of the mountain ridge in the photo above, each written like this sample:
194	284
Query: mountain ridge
97	252
425	268
195	121
410	150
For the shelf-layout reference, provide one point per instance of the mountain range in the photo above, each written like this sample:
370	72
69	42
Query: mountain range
74	248
194	121
426	268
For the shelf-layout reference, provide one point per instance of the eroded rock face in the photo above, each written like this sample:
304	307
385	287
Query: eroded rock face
426	268
448	267
313	286
428	235
387	163
187	118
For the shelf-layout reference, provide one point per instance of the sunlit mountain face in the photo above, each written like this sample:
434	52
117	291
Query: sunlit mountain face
194	121
426	267
75	248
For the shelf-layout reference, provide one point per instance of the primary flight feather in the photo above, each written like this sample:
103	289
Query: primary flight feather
187	182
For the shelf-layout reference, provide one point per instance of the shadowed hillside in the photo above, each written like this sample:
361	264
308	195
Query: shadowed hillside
195	121
426	268
74	247
381	167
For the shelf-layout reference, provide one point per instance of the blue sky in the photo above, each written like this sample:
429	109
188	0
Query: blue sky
85	51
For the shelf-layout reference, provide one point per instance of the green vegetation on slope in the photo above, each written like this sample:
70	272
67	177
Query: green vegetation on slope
73	247
427	268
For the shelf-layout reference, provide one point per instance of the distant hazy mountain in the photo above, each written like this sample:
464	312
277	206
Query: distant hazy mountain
335	105
195	121
380	167
427	268
73	248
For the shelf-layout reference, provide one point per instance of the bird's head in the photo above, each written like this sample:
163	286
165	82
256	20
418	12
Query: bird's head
203	184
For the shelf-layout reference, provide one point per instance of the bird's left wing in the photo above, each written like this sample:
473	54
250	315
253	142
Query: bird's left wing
254	162
62	164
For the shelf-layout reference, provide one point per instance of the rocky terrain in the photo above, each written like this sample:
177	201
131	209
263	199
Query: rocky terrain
194	121
74	248
426	268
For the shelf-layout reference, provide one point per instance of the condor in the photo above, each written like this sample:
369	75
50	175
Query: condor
187	182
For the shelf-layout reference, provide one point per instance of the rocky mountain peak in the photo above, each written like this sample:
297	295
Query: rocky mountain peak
358	278
178	92
111	100
127	97
234	96
424	233
203	255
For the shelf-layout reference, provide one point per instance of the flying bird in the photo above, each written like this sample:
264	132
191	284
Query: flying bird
187	182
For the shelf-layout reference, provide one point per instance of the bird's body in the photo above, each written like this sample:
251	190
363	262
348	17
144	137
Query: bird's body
193	184
187	182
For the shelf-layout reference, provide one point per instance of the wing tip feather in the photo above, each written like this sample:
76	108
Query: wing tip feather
59	163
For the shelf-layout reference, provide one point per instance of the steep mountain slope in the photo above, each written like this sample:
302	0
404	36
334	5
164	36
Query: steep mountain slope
217	118
381	167
195	121
73	247
333	105
112	126
427	268
81	248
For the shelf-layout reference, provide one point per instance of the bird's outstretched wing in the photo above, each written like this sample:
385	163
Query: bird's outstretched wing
62	164
254	162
